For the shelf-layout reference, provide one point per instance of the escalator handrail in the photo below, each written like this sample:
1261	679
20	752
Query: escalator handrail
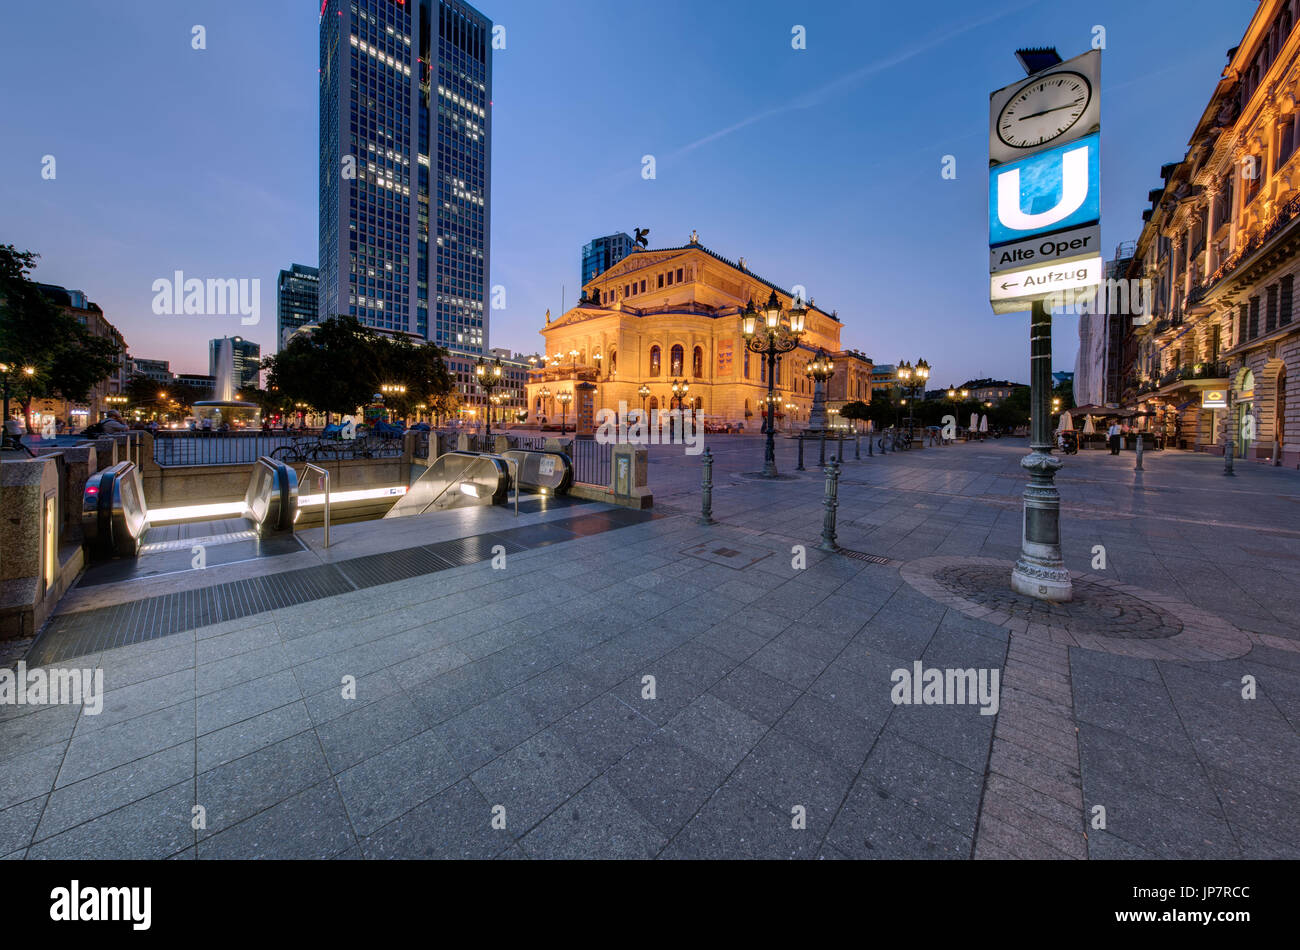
451	481
278	510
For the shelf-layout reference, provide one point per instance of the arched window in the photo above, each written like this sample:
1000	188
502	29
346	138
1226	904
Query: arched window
747	364
697	362
654	402
613	360
699	403
678	356
654	361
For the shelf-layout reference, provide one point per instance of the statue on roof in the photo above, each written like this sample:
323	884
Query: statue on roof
548	314
695	237
741	264
641	237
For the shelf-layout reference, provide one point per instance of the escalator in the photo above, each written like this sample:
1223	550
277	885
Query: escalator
115	516
468	479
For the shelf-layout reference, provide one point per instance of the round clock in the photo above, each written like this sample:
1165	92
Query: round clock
1044	109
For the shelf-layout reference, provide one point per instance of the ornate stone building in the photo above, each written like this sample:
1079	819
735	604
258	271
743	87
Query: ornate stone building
1219	248
673	314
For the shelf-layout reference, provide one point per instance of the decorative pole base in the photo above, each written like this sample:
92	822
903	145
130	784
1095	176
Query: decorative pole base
1041	573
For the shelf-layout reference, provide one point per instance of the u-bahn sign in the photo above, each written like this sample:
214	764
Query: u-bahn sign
1045	182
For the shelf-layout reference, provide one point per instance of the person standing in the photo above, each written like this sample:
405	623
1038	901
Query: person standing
1113	434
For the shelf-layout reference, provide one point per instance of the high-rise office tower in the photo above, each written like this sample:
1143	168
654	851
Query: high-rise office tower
296	295
602	253
405	167
246	361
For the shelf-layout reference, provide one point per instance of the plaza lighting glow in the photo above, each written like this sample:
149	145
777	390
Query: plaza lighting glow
184	512
359	494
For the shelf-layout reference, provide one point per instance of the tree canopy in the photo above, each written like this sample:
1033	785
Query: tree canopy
68	359
342	364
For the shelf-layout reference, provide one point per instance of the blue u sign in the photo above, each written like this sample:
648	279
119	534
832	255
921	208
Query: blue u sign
1055	189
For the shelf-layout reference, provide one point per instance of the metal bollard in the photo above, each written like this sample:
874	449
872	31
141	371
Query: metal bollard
1137	466
831	502
799	467
1227	458
857	446
706	490
839	450
821	458
871	444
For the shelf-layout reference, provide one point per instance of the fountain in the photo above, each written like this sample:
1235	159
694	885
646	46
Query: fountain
225	408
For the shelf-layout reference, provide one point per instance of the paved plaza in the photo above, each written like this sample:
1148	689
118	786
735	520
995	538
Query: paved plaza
640	687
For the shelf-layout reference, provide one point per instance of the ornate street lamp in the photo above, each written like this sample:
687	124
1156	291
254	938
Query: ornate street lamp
680	389
644	393
769	333
821	369
565	398
573	355
489	378
913	379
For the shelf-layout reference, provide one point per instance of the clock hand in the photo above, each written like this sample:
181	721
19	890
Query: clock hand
1070	105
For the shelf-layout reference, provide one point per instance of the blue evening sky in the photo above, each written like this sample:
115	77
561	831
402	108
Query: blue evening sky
821	167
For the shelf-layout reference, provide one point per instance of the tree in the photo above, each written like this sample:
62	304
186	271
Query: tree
67	358
420	368
334	368
342	364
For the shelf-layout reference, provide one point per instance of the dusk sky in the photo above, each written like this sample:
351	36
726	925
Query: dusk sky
821	167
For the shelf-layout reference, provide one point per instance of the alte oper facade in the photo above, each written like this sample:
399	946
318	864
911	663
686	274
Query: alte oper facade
673	315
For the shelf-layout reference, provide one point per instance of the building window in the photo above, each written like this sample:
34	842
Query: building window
679	275
697	362
678	355
1241	324
1253	328
1270	310
654	361
1284	309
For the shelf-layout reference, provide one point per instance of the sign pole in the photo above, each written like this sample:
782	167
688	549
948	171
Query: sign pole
1041	571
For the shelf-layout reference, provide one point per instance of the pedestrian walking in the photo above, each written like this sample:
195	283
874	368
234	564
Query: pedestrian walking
1113	434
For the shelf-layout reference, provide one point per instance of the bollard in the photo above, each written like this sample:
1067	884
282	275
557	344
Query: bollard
1277	453
831	503
821	458
1227	458
799	467
839	448
706	490
857	446
871	444
1137	466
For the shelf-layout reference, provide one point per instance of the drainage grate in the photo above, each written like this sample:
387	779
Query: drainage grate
863	556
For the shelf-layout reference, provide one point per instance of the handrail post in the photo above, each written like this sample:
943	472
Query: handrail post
325	482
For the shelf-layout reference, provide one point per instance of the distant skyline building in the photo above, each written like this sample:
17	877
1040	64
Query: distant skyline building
247	359
159	371
405	167
602	253
296	300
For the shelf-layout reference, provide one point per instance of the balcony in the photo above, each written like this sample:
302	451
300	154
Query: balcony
1198	373
1256	239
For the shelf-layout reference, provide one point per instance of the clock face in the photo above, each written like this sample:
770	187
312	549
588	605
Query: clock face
1044	109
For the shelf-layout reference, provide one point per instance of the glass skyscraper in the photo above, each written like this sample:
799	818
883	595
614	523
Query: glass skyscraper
602	253
405	167
296	297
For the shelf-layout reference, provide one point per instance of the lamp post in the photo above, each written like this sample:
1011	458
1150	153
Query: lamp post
644	393
489	378
391	389
573	355
565	398
545	394
821	369
772	333
1041	572
913	379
